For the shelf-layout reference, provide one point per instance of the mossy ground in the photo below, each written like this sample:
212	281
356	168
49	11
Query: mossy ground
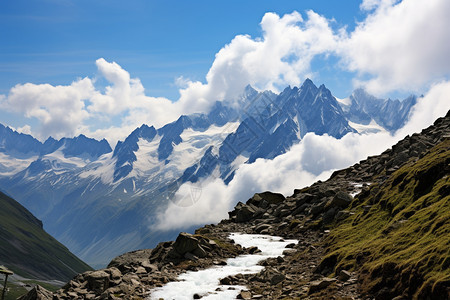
16	290
399	236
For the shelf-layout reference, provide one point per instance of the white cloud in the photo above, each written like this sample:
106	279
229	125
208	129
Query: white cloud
65	111
400	46
281	57
26	129
433	105
373	4
60	109
314	158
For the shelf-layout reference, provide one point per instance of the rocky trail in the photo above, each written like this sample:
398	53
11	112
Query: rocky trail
305	271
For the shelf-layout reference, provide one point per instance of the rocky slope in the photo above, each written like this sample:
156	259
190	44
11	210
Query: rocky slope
378	229
28	250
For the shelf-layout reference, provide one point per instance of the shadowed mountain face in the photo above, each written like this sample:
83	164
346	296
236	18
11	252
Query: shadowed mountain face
272	125
28	250
100	202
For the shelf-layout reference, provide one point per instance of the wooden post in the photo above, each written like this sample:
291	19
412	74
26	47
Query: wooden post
4	287
6	272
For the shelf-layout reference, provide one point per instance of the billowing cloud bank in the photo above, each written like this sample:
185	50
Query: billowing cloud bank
399	46
314	158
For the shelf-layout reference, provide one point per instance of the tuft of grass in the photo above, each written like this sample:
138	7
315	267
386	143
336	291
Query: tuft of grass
403	241
294	223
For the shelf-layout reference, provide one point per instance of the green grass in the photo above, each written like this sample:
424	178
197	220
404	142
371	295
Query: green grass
14	291
26	249
403	241
46	285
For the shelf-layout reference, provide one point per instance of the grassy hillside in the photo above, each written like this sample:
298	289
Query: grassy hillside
28	250
398	236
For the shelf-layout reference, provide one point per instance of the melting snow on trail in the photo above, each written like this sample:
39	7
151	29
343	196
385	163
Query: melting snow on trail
206	282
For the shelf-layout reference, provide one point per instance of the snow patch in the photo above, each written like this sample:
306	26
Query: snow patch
146	156
60	162
358	187
238	161
372	127
195	143
344	101
206	282
11	165
103	168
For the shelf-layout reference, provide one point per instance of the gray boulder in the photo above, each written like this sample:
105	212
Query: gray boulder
341	199
185	242
98	281
272	198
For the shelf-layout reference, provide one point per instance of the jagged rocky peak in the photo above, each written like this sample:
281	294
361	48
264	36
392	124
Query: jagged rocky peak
316	109
13	141
220	114
125	151
390	114
272	125
130	143
249	91
146	132
308	86
82	145
307	92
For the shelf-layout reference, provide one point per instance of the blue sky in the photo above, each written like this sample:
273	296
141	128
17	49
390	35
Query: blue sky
103	67
54	41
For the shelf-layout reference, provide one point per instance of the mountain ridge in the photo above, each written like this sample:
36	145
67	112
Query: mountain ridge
147	168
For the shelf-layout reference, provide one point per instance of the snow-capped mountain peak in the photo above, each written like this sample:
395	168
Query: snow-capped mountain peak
78	183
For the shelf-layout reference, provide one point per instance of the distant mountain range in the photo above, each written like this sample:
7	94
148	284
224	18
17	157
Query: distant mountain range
101	202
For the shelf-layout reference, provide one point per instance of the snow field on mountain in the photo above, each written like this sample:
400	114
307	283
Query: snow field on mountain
372	127
195	143
103	168
10	165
